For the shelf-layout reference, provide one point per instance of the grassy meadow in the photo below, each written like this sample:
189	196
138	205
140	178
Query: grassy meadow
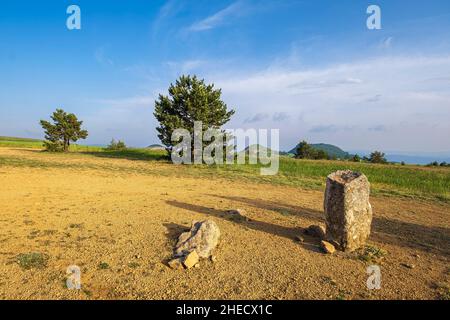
429	183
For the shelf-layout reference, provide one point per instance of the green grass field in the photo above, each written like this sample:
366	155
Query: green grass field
431	183
13	142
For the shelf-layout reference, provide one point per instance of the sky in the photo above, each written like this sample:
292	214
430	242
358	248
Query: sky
309	68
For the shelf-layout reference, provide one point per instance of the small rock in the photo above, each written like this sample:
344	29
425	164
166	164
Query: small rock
213	258
197	265
327	247
191	259
299	239
175	264
408	265
203	237
315	231
237	215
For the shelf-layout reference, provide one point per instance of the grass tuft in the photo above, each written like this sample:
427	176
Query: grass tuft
371	254
33	260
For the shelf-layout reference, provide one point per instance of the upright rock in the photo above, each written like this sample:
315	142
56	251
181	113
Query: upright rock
203	238
348	212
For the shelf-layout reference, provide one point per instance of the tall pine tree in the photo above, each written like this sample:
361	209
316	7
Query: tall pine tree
189	100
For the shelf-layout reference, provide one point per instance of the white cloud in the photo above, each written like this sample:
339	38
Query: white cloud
348	104
217	19
388	103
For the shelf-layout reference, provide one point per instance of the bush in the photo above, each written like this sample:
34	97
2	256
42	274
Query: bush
356	158
116	145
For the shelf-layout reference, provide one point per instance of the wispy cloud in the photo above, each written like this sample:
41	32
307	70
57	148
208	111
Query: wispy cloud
101	57
217	18
378	128
168	10
330	128
257	118
187	65
386	43
280	116
127	102
375	98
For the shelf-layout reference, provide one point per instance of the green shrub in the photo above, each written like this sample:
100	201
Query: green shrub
116	145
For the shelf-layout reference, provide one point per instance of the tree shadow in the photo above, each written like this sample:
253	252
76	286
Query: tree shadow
425	238
131	154
29	150
308	213
173	232
310	243
385	230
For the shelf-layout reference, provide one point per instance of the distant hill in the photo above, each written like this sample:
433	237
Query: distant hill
156	147
331	150
260	148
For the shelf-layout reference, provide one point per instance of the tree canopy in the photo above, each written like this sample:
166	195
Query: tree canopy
66	128
189	100
377	157
306	151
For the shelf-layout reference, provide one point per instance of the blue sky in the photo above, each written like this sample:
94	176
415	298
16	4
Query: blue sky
310	68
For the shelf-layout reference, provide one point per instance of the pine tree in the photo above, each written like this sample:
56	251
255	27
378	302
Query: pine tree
66	128
189	100
377	157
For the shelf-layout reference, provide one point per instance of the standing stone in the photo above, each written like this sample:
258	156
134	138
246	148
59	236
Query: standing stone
348	212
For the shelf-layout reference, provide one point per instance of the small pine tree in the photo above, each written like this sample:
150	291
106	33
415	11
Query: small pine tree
65	129
305	151
377	157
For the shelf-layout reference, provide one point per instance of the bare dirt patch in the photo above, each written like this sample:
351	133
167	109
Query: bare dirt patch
125	216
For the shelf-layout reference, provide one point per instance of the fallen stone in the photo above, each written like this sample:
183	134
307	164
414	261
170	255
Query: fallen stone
191	259
213	258
202	238
299	239
176	264
315	231
327	247
408	265
348	212
237	215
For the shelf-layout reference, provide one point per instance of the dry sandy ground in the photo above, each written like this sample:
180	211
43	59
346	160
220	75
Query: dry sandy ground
86	216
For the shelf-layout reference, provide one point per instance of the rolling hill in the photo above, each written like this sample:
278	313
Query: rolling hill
330	149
